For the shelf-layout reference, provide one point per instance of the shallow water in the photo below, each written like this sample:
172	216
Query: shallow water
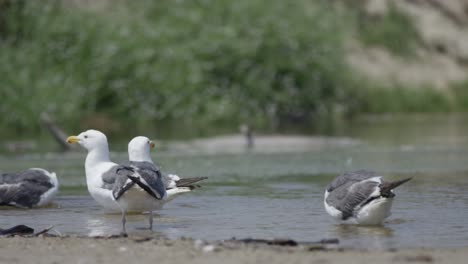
270	192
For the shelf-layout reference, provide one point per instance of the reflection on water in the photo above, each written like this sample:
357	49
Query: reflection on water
107	224
279	194
98	227
349	230
374	236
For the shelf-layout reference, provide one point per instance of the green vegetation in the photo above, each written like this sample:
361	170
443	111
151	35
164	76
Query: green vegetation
205	63
404	99
262	62
460	94
393	31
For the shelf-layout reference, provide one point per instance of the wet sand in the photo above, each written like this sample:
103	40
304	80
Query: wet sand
149	250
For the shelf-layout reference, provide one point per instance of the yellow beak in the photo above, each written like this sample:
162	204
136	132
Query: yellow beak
72	139
152	145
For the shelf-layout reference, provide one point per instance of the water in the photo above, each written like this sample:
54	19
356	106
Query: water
276	190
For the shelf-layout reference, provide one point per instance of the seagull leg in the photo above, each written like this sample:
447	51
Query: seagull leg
124	221
151	220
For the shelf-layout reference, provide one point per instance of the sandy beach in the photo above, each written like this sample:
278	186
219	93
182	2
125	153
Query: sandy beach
150	250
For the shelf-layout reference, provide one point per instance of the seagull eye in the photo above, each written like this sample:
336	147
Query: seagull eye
85	136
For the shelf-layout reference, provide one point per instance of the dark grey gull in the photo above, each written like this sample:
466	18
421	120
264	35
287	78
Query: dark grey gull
29	188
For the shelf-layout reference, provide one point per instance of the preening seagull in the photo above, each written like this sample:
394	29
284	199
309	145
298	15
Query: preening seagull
139	156
29	188
360	197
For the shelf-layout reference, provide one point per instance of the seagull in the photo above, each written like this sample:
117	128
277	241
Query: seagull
119	186
360	197
30	188
139	155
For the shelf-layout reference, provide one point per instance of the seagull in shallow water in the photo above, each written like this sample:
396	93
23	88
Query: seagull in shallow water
139	156
119	186
29	188
134	186
360	197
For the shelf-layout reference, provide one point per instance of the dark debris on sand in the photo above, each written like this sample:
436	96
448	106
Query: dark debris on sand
324	244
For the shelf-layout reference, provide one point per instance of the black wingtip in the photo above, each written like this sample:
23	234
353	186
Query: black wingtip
395	184
144	187
118	193
387	187
188	182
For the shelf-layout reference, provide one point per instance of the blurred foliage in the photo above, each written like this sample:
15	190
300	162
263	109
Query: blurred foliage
263	62
393	31
379	99
460	94
212	62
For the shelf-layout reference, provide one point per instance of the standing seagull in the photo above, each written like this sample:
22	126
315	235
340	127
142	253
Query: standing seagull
362	197
29	188
139	156
114	186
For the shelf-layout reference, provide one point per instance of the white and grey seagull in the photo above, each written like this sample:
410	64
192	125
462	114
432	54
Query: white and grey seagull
30	188
118	186
128	187
139	155
360	197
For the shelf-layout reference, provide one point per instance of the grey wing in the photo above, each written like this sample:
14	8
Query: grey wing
151	178
109	178
349	197
8	193
23	189
350	177
33	175
116	179
36	177
25	194
10	178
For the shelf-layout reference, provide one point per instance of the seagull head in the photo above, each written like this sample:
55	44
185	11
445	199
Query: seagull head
139	149
90	139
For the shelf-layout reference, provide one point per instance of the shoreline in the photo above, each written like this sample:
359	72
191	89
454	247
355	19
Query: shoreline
77	249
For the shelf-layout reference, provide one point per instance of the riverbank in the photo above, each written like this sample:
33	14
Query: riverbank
145	250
